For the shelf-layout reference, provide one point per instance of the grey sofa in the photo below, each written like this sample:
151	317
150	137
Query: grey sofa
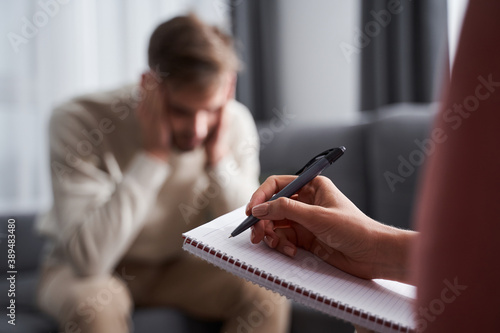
376	145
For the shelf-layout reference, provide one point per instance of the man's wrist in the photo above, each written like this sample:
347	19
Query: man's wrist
147	171
224	170
162	155
215	156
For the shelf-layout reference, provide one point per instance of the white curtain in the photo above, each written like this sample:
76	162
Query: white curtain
52	50
456	13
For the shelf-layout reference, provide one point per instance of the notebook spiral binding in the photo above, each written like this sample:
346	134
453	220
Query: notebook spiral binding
301	295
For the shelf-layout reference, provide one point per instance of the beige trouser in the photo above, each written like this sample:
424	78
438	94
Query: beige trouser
104	304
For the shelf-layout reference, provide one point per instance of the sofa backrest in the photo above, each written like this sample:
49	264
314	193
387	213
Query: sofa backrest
366	172
291	149
396	145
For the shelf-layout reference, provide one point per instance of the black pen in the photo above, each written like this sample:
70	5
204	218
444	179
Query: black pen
319	163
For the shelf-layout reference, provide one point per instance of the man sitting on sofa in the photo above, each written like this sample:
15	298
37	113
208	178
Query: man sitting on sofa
134	168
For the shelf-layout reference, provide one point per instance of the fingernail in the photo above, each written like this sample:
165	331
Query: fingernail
269	241
289	251
260	210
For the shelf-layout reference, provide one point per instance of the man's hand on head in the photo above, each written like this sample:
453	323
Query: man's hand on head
151	113
217	145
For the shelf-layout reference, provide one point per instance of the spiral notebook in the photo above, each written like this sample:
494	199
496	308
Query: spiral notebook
380	305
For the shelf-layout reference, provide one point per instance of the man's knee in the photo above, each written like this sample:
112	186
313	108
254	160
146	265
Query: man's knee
93	301
263	302
262	311
268	302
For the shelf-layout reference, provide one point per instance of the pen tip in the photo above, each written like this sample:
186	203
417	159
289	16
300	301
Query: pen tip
230	236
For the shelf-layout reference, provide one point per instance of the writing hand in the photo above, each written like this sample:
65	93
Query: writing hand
320	219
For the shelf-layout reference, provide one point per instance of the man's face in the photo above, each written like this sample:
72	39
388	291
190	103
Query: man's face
193	115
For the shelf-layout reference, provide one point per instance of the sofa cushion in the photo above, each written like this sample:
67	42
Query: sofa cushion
305	319
147	320
150	320
395	158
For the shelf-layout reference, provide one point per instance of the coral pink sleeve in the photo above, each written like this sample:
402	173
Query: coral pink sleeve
456	263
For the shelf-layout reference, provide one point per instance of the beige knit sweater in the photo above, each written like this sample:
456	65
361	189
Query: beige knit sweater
113	201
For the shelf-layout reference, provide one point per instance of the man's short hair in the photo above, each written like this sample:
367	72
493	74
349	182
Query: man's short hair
191	53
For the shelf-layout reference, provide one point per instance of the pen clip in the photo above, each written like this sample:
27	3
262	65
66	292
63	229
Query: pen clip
314	159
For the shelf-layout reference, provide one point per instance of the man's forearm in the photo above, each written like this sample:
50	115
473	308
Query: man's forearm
94	239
